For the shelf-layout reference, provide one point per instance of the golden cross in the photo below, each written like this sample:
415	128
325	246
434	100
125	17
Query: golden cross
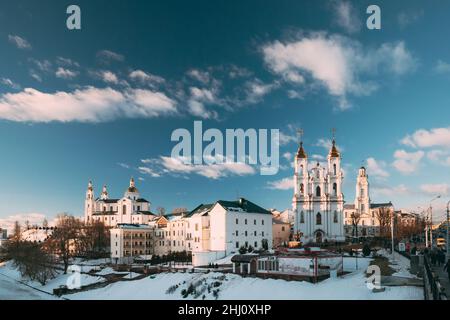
333	132
300	133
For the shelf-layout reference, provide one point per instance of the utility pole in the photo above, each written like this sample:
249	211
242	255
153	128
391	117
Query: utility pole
431	221
447	222
392	236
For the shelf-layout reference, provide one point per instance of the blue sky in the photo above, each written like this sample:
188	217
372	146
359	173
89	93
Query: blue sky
101	103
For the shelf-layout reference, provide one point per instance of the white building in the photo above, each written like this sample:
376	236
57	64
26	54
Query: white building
129	241
131	208
318	200
362	217
222	228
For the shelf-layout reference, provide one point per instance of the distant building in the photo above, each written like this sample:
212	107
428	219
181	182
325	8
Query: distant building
362	218
131	208
3	234
224	227
129	241
318	200
281	231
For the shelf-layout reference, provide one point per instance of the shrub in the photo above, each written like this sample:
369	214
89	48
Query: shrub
366	250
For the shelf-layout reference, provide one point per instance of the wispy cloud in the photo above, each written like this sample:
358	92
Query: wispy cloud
65	73
19	42
283	184
88	104
337	63
107	56
377	168
346	16
407	162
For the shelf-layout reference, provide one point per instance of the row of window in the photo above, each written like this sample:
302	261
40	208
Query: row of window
319	217
319	190
236	233
246	221
268	265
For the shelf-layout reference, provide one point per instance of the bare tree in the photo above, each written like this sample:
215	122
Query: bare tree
45	223
161	211
356	217
17	231
384	216
66	237
179	210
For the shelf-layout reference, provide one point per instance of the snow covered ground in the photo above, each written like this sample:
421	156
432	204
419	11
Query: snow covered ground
7	271
349	287
211	285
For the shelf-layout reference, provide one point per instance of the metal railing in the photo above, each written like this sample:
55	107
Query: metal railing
432	287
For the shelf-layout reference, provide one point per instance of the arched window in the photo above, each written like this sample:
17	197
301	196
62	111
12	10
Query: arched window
318	218
302	188
334	169
361	192
318	193
302	217
335	189
124	209
335	217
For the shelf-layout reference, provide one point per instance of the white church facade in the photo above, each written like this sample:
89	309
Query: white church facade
318	201
130	208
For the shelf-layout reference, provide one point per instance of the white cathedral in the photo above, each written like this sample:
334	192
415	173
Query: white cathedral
318	201
131	208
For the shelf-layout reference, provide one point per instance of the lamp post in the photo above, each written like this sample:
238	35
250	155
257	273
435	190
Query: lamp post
431	221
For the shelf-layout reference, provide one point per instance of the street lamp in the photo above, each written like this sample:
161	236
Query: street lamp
431	220
447	222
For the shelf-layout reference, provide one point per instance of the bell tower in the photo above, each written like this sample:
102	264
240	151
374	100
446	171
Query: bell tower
89	203
362	200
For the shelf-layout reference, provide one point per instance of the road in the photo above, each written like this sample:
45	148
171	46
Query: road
13	290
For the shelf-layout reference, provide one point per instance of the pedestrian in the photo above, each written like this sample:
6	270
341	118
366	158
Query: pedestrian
433	258
447	267
413	251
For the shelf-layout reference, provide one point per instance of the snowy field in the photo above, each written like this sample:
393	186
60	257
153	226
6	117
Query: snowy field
349	287
209	286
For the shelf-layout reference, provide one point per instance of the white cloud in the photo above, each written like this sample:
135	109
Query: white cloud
436	189
337	63
107	56
65	73
288	156
8	82
283	184
346	16
199	98
180	166
391	191
442	67
35	76
212	171
256	90
124	165
19	42
405	19
148	171
108	77
42	65
32	218
66	62
199	75
437	137
146	78
377	168
407	162
85	105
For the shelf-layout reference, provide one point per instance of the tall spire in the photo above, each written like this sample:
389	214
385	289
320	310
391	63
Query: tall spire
334	153
132	187
301	154
90	188
104	194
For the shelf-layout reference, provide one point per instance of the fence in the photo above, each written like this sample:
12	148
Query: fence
432	287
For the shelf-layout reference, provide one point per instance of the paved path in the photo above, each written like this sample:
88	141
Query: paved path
443	279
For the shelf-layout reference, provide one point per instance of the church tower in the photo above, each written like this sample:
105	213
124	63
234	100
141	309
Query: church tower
104	195
318	201
362	200
89	203
132	192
